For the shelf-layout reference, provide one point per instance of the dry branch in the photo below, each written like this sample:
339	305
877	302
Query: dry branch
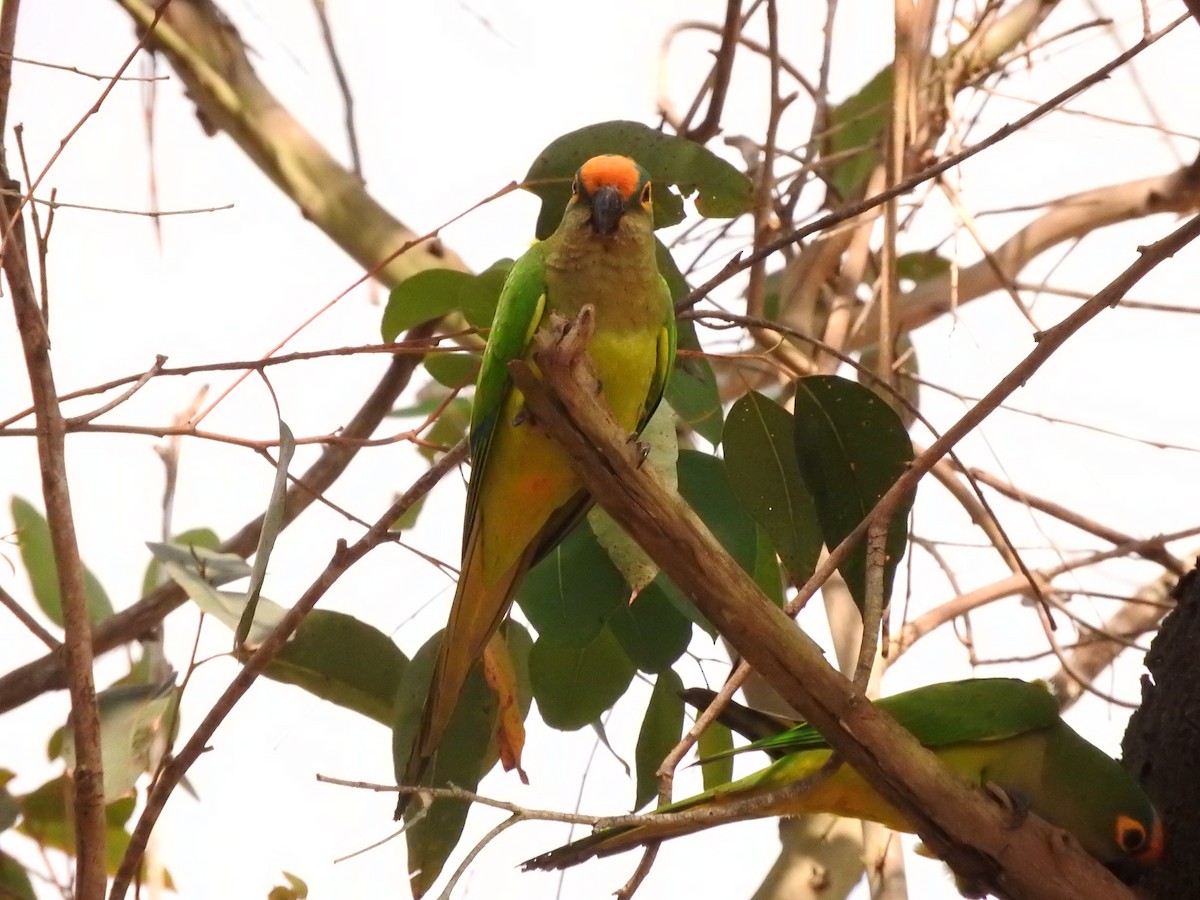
971	832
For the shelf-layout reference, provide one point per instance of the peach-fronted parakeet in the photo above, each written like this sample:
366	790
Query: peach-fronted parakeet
999	731
523	498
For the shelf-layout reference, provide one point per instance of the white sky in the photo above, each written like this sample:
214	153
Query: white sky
449	109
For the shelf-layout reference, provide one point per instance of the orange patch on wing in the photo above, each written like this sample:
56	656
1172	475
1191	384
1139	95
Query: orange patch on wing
620	172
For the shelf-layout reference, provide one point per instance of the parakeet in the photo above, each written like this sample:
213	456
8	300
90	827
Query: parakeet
999	731
523	498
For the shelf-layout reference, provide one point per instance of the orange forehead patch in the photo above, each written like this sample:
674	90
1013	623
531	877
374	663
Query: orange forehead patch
620	172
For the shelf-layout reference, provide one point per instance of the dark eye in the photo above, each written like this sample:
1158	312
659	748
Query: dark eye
575	187
646	195
1131	835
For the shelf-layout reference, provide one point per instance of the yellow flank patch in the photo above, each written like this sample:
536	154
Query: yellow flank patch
620	172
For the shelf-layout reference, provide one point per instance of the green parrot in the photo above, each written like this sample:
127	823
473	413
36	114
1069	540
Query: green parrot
523	498
999	731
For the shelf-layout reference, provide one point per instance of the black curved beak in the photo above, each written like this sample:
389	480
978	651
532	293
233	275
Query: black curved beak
607	207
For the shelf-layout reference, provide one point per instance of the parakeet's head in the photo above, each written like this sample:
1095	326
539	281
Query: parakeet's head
606	190
1137	841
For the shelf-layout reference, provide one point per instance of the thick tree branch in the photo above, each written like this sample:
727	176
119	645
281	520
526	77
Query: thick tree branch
208	54
972	833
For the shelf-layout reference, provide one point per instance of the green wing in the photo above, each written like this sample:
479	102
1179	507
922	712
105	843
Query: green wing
518	315
952	712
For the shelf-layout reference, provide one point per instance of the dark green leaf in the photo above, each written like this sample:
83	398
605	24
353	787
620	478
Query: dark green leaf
661	728
651	630
37	553
851	447
760	456
194	537
571	593
574	685
436	292
338	658
704	484
856	130
461	759
722	191
715	741
454	370
8	806
478	299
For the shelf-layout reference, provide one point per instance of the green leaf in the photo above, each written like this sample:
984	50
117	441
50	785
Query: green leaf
704	483
661	728
851	448
436	292
856	131
37	553
767	574
453	370
715	741
9	811
194	537
571	593
448	429
907	385
634	563
574	685
271	526
14	880
760	456
45	819
692	388
651	630
461	759
131	715
341	659
721	190
921	265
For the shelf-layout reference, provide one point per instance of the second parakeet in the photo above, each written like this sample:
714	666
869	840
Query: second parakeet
998	731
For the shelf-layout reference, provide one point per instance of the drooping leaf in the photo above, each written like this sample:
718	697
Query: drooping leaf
131	715
661	727
856	131
760	456
341	659
227	606
272	524
851	447
461	759
721	190
37	553
193	537
574	685
571	593
651	630
448	429
634	564
704	483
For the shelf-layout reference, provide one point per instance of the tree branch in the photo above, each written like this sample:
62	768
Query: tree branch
973	834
